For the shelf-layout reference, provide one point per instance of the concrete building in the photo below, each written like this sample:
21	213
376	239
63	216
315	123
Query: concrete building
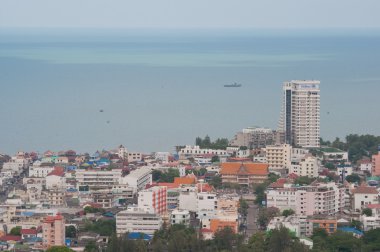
278	156
187	199
53	231
307	166
16	165
365	165
191	151
363	196
138	178
244	173
300	117
376	163
97	179
137	220
180	217
299	224
317	198
153	199
254	137
40	170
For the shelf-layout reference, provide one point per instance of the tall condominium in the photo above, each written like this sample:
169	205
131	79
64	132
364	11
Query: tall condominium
300	113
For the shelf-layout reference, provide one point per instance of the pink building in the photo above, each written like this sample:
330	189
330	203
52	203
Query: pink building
376	164
53	231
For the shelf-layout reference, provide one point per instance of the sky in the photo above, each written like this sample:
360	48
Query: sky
177	14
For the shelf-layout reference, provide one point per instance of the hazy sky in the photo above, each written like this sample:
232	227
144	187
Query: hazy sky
191	14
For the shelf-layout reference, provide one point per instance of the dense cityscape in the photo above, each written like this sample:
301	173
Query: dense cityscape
262	190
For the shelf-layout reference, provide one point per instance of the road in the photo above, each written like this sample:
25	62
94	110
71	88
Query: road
253	214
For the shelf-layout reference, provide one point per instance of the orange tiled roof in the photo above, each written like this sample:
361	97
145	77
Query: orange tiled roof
247	168
184	181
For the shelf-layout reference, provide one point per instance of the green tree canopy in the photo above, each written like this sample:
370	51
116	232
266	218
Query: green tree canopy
354	178
367	211
288	212
16	231
59	249
71	231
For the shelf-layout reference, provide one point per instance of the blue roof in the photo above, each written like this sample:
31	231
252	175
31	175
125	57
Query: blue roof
28	214
108	214
351	230
137	236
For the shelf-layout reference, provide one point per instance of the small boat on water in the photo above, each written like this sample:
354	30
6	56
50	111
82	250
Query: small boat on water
233	85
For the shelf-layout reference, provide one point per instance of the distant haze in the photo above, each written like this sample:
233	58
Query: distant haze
191	14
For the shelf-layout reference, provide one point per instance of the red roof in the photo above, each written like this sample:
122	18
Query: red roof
53	218
10	238
365	190
28	231
206	230
58	171
373	206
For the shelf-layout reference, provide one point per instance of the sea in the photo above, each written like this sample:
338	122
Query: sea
150	90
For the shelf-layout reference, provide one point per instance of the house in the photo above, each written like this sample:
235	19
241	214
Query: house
28	233
364	195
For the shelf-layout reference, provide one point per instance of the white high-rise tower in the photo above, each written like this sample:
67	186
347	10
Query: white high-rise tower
300	113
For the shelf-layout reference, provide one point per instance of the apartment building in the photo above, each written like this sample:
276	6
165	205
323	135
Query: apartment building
153	199
254	137
137	220
318	198
97	179
376	163
139	178
307	166
300	117
180	217
53	231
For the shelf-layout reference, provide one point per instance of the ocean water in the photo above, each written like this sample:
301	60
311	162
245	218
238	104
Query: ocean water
158	89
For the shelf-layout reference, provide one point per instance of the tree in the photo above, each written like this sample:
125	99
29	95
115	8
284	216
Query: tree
272	177
280	240
71	231
257	242
371	240
356	224
330	166
59	249
354	178
156	175
102	227
216	181
16	231
243	207
91	247
288	212
303	180
215	159
342	241
367	211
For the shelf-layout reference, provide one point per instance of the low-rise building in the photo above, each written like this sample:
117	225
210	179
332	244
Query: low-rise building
137	220
244	173
298	224
97	179
180	217
139	178
307	166
364	195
